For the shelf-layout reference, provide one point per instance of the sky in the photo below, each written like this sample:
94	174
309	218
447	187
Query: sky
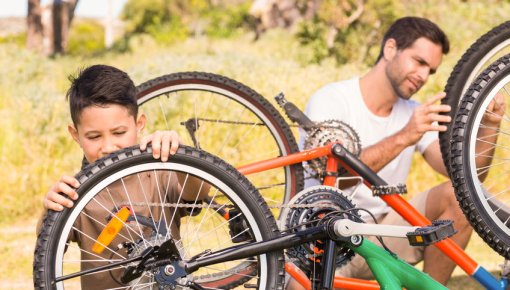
85	8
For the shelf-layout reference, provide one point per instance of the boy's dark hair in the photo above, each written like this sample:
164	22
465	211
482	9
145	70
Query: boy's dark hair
408	29
101	85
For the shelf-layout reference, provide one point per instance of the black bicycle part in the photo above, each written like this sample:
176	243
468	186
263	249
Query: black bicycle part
482	192
469	66
438	231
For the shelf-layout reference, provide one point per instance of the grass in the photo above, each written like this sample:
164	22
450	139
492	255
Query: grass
35	148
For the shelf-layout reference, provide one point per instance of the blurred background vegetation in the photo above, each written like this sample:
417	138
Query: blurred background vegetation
296	51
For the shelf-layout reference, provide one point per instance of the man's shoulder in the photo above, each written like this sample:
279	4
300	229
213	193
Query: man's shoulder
343	84
338	89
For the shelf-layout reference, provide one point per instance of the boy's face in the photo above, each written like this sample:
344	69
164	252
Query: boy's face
103	130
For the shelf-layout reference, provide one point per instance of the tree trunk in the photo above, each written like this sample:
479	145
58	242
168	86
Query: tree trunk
34	26
62	15
48	27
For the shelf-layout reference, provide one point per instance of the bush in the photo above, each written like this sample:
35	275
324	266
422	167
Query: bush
170	21
226	21
163	20
86	38
348	42
18	39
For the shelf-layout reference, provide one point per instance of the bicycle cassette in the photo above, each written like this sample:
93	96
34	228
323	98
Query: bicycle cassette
313	206
331	131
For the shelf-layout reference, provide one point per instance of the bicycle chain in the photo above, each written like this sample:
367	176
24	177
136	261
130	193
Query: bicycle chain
260	124
215	206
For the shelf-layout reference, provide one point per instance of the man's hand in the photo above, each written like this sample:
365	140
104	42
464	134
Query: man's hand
495	111
61	193
164	143
424	120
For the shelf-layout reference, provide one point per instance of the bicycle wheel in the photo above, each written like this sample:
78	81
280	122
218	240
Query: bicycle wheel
159	221
481	153
227	119
488	48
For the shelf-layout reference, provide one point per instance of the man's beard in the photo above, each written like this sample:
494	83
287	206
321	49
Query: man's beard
399	92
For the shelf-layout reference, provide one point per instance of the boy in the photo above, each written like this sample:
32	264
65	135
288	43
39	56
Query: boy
105	119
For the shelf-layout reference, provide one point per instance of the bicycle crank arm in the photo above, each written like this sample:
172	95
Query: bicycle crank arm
417	236
348	228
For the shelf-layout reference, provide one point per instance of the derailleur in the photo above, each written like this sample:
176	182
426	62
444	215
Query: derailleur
163	261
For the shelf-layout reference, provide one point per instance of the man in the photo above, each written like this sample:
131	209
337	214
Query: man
391	127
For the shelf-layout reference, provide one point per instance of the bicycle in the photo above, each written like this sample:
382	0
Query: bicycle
147	255
246	218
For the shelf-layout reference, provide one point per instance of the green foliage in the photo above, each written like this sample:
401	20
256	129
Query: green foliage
168	32
18	39
86	38
226	21
170	21
162	19
349	40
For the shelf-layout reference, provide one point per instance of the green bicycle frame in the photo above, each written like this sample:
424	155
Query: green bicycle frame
391	272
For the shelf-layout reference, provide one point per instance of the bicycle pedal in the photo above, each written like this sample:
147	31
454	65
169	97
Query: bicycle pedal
238	227
254	286
438	231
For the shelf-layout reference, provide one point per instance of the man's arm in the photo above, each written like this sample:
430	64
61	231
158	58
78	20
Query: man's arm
488	134
486	138
380	154
422	121
434	158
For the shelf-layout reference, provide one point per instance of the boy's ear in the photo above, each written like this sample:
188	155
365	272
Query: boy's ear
74	133
140	122
390	49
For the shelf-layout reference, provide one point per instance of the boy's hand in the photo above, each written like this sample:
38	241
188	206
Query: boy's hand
164	143
55	198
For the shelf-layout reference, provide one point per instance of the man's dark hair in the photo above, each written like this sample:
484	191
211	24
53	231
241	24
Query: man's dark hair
101	85
407	30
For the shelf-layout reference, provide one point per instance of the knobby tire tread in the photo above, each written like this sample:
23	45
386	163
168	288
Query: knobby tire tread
457	80
465	193
93	173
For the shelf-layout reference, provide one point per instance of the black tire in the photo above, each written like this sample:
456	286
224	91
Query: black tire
483	191
488	48
228	187
227	110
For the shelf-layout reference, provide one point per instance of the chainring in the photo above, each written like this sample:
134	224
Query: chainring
313	205
326	132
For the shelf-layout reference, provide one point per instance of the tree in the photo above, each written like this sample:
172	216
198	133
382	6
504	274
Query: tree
48	26
281	13
34	26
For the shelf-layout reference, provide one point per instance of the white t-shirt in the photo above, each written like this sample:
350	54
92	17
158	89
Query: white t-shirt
343	101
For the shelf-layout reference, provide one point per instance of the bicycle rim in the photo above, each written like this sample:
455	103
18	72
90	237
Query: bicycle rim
201	229
232	122
483	191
